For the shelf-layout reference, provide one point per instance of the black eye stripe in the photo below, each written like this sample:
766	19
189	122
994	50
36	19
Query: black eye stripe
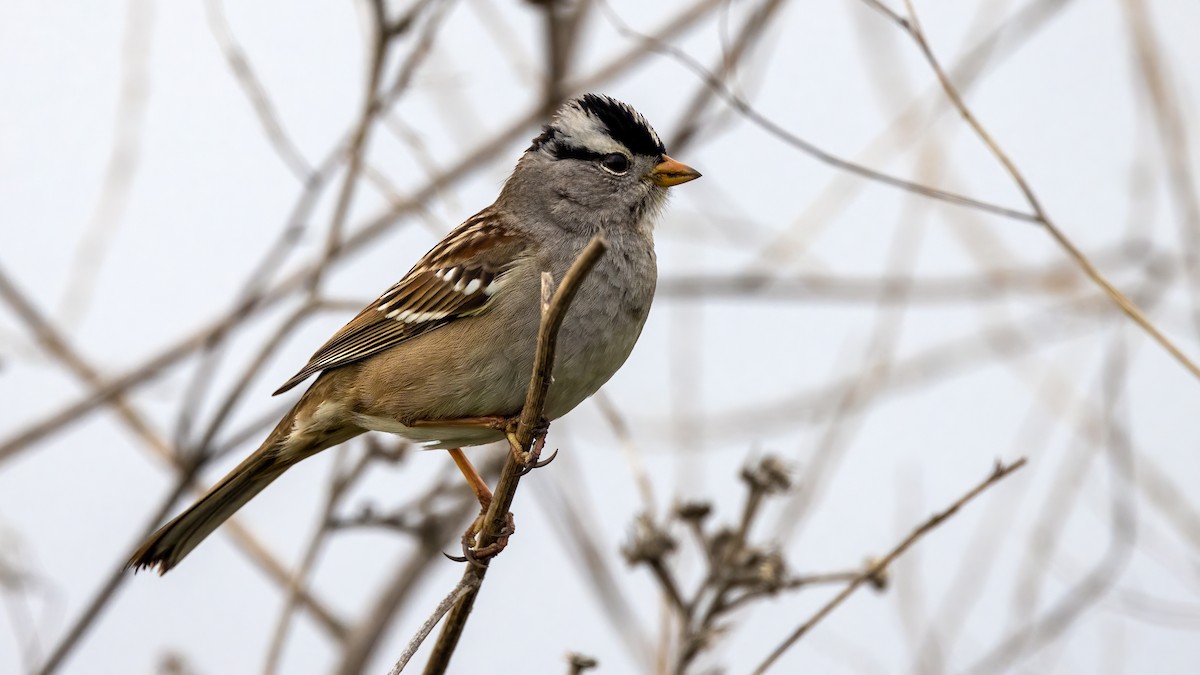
562	151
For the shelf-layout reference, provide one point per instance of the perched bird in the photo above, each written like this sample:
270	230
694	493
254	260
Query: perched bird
451	345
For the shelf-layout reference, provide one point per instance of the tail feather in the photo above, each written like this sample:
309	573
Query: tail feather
301	433
166	547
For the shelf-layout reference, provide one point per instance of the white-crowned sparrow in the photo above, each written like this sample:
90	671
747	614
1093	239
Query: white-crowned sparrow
454	340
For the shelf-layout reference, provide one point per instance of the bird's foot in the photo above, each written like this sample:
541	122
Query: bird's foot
529	460
477	554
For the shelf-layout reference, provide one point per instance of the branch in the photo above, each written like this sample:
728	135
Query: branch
874	570
516	465
913	28
455	596
743	107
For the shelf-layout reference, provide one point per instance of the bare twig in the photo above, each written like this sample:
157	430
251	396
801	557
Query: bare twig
264	108
912	26
998	473
753	115
988	285
123	161
380	42
1172	129
339	484
495	520
456	595
1055	620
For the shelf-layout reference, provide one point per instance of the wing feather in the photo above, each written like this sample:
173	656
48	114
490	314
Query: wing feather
455	279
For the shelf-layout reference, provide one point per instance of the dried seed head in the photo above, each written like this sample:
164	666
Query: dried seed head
771	571
694	511
580	663
769	475
648	542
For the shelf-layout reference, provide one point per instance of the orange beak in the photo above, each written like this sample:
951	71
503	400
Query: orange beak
669	172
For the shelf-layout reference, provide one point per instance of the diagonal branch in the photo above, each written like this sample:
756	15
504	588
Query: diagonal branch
912	27
1000	472
495	520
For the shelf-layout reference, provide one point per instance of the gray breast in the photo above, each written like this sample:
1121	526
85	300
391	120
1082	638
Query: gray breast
603	323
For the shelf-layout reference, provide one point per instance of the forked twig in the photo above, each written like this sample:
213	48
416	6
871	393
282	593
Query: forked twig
912	26
873	570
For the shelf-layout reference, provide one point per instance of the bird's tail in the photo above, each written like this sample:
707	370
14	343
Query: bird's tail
283	448
167	546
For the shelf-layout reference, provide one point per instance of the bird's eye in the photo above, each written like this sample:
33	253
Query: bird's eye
615	163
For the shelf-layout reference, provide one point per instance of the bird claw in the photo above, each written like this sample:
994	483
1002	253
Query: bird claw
480	555
529	460
534	463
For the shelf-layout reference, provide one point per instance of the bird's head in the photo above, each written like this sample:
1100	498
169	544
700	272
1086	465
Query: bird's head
599	163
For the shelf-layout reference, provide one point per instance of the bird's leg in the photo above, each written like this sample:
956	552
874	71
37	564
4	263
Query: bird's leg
482	492
472	552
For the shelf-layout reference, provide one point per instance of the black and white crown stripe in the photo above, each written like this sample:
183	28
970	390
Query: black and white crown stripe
594	125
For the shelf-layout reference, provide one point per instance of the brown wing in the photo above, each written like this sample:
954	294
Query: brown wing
456	278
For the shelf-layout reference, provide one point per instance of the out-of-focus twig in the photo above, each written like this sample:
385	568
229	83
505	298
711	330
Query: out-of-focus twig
752	114
456	595
123	160
986	286
1169	120
434	531
1055	620
912	26
998	473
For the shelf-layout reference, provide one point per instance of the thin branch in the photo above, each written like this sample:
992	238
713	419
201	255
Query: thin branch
456	595
757	118
125	157
339	484
1053	622
629	447
495	520
57	346
1000	340
380	42
913	27
1173	138
254	90
1000	472
560	498
988	285
116	577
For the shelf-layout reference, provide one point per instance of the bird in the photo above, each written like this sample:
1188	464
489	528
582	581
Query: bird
449	349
